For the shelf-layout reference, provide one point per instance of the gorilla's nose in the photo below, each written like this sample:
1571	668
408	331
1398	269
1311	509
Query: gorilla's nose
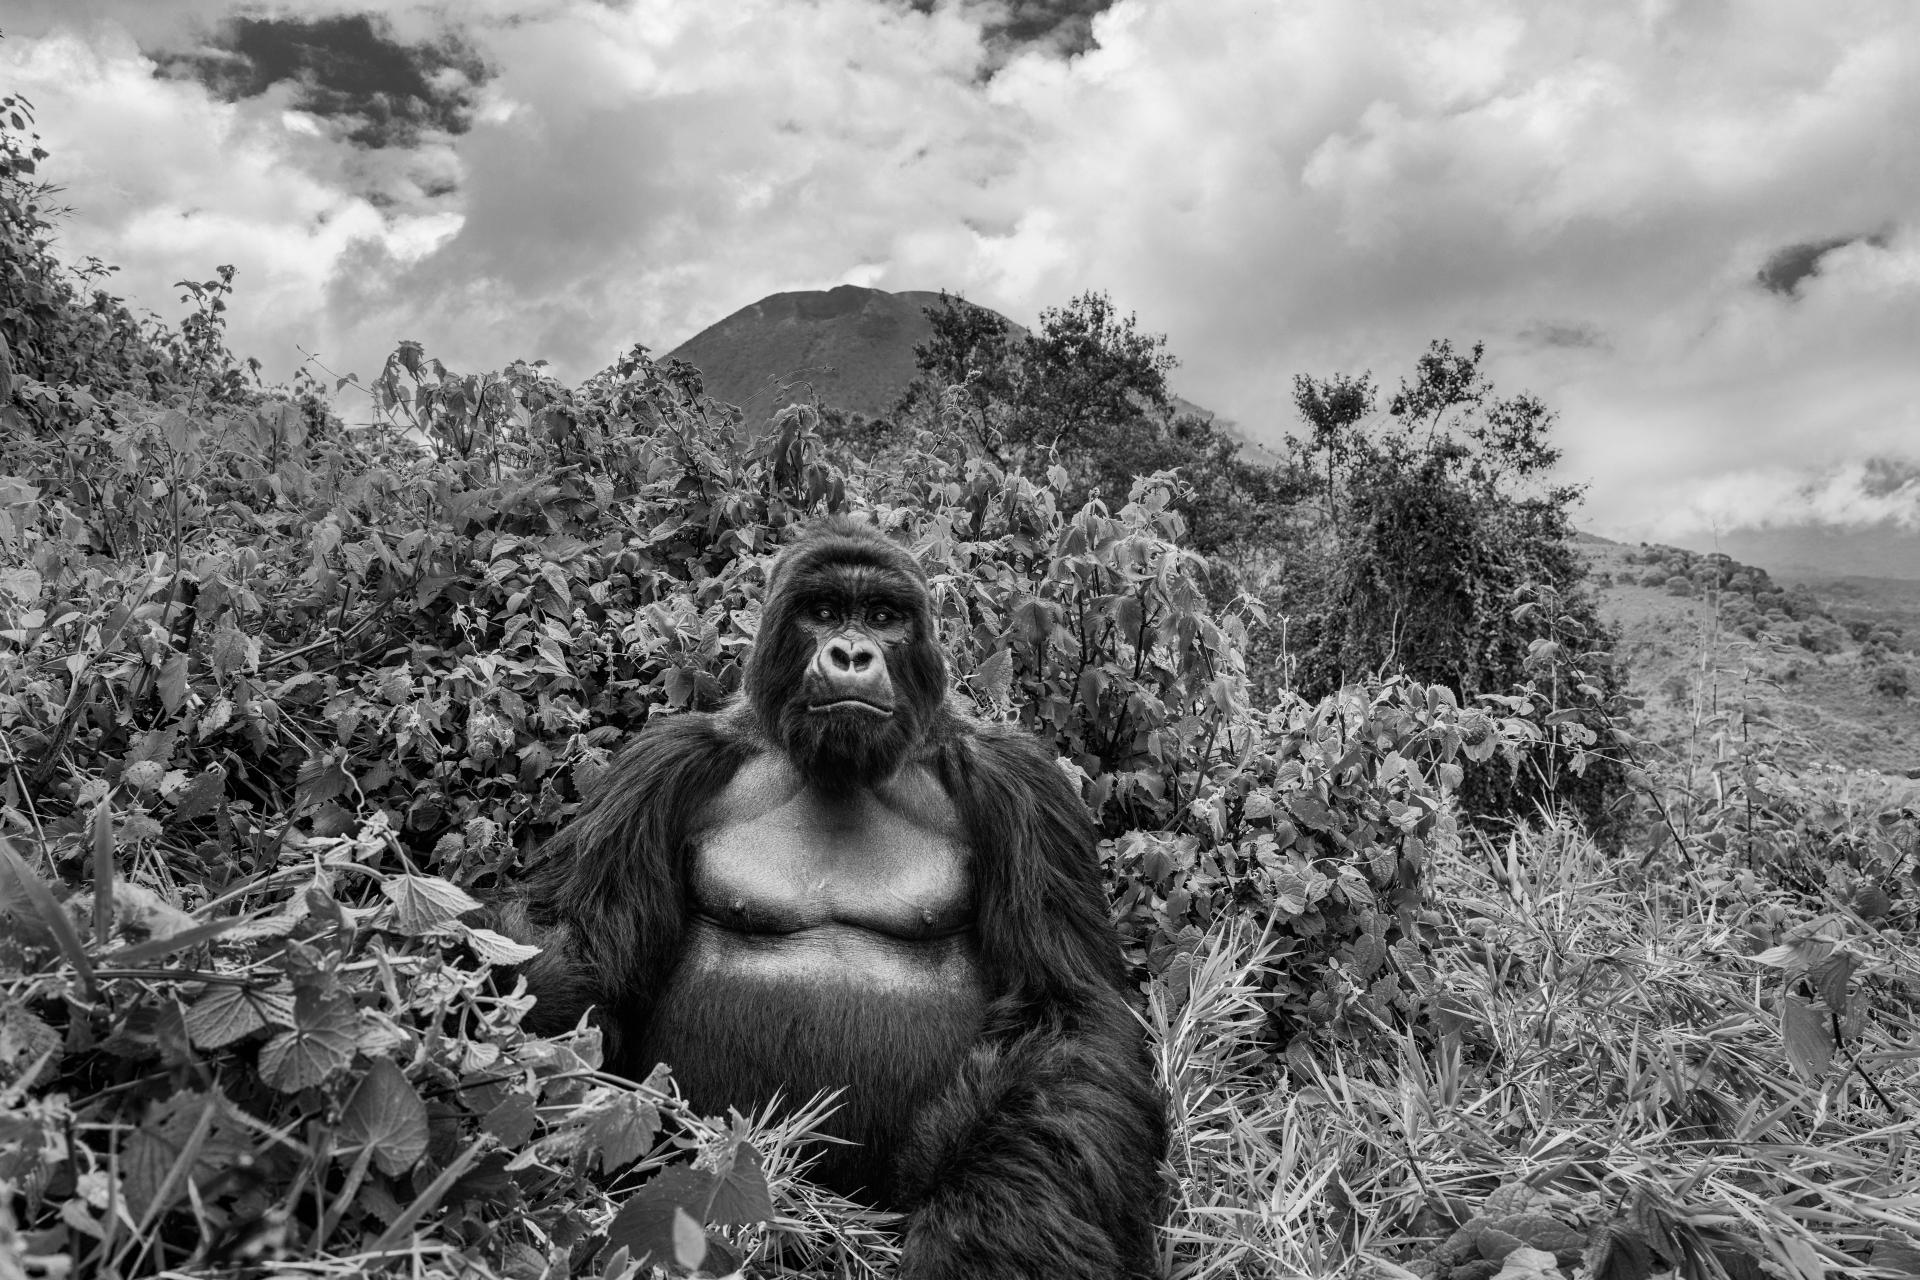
851	668
852	655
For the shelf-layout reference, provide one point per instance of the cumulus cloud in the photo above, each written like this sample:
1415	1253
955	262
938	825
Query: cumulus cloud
1878	491
1694	229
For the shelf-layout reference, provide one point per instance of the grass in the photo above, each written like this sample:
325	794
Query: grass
1611	1043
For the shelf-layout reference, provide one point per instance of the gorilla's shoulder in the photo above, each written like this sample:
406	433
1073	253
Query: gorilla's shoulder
1005	762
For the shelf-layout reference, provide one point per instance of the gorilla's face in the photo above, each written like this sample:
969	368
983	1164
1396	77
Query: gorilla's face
845	675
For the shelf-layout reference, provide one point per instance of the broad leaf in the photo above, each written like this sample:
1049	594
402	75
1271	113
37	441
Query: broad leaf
385	1115
321	1043
424	903
229	1011
1809	1041
740	1194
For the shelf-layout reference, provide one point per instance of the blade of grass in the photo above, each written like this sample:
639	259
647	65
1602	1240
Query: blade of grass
102	835
174	942
430	1198
51	915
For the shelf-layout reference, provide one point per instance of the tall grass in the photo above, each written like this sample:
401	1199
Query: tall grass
1603	1037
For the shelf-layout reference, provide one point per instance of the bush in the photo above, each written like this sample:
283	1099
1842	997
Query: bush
1892	681
1820	635
1679	586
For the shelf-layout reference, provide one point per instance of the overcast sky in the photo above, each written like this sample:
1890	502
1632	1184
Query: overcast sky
1693	227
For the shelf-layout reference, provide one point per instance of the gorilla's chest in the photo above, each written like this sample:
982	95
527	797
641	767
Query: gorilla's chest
810	864
830	946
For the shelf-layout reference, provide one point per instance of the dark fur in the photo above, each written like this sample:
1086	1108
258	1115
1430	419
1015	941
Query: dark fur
1039	1156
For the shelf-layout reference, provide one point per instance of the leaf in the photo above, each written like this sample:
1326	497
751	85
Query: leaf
214	718
1895	1251
1529	1264
1312	812
24	1041
1617	1254
203	795
22	584
1872	902
230	651
1809	1042
1542	1231
644	1224
622	1131
513	1121
497	948
227	1012
741	1197
163	1152
321	778
385	1115
1831	978
995	676
173	683
320	1043
689	1240
424	903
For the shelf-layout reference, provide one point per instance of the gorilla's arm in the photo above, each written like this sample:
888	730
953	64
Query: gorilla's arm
606	902
1042	1158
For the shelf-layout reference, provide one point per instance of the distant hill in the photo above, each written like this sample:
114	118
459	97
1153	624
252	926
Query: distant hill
1809	663
1812	553
853	347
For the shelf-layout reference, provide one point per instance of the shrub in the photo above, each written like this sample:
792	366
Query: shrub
1679	586
1820	635
1892	681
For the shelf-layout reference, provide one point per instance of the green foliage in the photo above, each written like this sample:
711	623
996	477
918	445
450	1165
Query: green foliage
1443	554
61	334
1891	680
1086	393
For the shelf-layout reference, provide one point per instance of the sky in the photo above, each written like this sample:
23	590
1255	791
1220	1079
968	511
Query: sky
1691	226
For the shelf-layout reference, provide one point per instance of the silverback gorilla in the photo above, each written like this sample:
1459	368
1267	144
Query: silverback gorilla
841	881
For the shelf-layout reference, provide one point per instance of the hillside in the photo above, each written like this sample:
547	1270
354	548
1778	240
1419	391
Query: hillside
1814	667
851	347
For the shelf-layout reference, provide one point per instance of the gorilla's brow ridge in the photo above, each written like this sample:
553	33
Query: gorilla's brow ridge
873	584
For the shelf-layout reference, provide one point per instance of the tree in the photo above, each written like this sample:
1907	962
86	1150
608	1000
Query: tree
1087	391
1333	407
970	353
1447	556
1084	372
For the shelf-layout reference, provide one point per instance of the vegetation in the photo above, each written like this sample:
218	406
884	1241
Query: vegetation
281	697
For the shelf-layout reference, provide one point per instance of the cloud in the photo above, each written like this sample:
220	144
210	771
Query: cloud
1653	214
1859	495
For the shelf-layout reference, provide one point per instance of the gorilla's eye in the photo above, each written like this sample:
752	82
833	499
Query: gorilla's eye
882	617
823	613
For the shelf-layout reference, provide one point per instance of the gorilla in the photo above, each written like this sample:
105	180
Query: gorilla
840	881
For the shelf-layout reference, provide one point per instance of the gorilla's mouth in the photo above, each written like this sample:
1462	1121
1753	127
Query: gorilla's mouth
851	704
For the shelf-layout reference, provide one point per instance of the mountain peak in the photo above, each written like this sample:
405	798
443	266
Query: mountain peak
850	346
